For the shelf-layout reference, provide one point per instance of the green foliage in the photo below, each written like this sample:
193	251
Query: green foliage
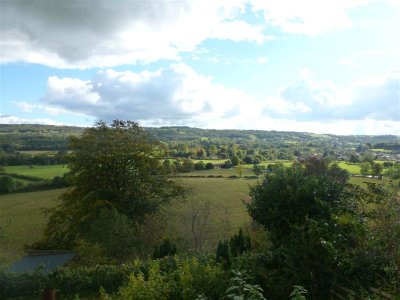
394	172
241	289
209	166
67	281
7	184
235	160
187	166
298	293
154	287
258	169
239	243
309	212
175	278
234	247
377	169
199	166
365	168
167	248
116	171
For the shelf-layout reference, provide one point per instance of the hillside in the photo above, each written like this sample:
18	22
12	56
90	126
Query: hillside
54	138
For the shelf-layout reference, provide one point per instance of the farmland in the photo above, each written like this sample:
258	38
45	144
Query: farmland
22	219
44	172
22	215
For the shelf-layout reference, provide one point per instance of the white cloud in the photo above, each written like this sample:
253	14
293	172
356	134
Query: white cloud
310	17
87	34
9	119
172	95
307	99
177	95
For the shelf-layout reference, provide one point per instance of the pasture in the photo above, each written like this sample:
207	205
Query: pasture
22	217
22	220
44	172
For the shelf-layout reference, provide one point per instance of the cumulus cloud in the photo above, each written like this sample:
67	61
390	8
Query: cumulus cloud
103	33
178	95
377	99
10	119
174	95
307	99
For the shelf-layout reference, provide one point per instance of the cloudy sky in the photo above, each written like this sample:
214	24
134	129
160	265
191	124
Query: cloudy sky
325	66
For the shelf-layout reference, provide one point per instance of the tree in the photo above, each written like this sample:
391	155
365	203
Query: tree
212	151
394	172
354	159
302	207
377	169
187	166
365	168
114	168
199	166
258	169
235	160
7	184
239	170
209	166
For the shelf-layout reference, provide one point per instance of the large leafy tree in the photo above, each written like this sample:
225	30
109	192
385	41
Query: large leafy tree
116	170
311	216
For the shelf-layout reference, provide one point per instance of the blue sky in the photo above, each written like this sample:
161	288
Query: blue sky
328	66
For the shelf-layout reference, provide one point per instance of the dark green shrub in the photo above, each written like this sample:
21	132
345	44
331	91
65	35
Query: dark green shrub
167	248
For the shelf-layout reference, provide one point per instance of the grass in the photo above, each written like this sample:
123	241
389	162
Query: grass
362	181
22	220
213	161
45	172
225	199
353	169
222	172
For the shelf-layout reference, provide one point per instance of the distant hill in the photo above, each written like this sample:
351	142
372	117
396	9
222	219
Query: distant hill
53	138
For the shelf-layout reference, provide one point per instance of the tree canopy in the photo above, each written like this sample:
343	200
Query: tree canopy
113	167
308	210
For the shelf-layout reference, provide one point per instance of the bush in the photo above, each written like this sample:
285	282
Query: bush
175	278
167	248
210	166
7	185
67	281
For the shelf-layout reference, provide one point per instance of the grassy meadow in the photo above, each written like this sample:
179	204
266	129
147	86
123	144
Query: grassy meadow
22	220
44	172
22	217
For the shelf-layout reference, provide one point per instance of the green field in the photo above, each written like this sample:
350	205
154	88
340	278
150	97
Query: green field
22	220
225	199
353	169
362	181
221	172
45	172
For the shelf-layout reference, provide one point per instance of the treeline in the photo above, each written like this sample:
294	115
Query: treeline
35	137
387	146
14	138
18	159
9	183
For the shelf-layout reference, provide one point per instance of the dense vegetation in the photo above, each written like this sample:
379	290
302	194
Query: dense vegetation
141	232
